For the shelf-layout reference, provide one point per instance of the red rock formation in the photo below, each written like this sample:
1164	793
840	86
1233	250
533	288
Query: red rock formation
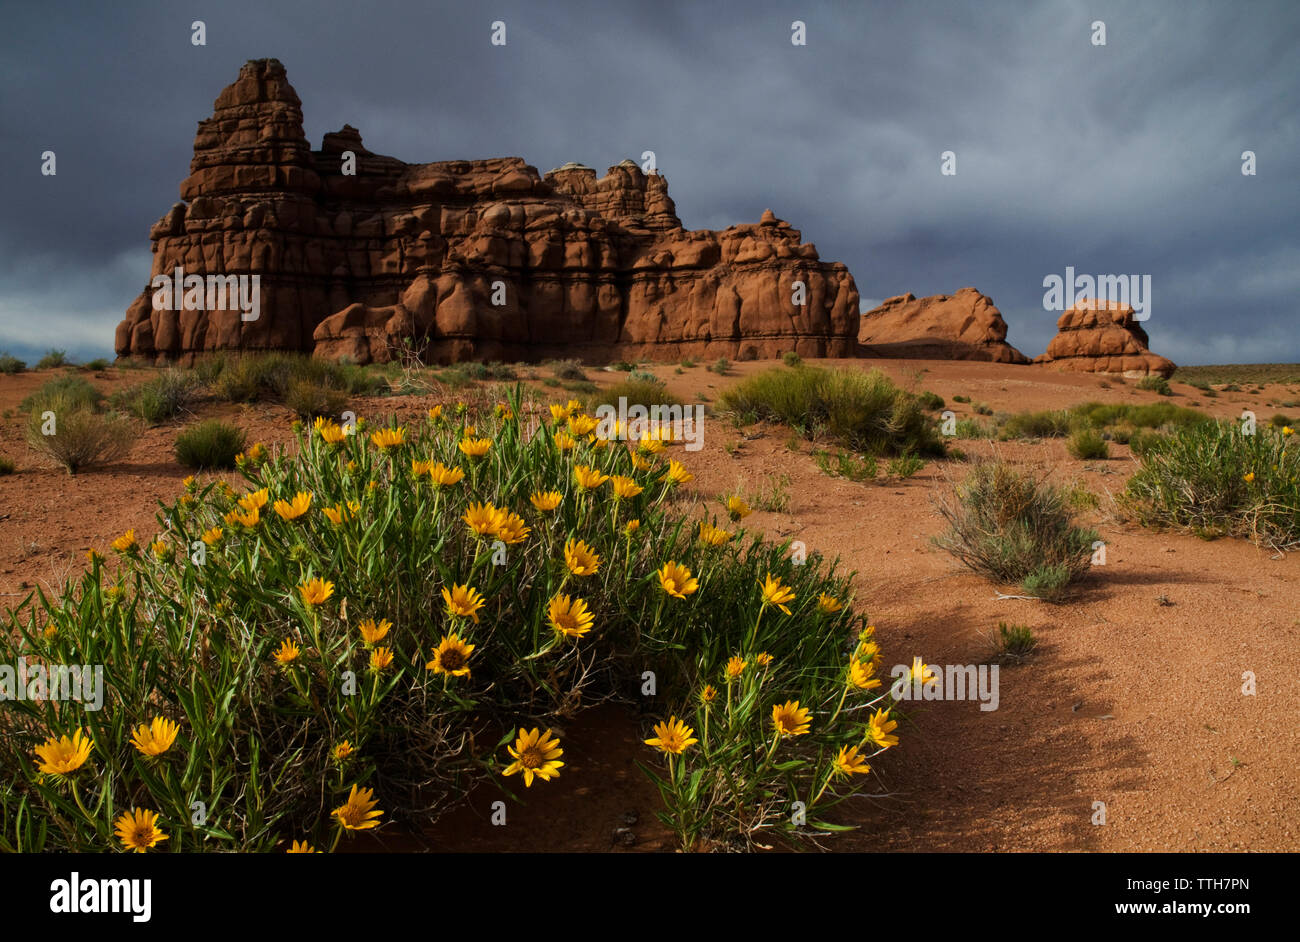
473	258
961	326
1103	337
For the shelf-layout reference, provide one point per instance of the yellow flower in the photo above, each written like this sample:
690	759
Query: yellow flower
302	847
558	413
343	751
677	580
776	594
546	501
213	536
190	482
512	529
790	719
735	667
483	519
1287	430
737	509
419	467
331	433
677	473
1249	477
162	551
673	737
463	601
380	658
573	406
249	519
632	527
879	729
763	659
444	476
125	543
570	616
156	737
474	447
316	591
292	510
828	604
255	500
581	425
435	414
451	657
565	442
709	693
849	763
922	671
580	559
387	438
713	536
357	813
138	830
504	411
650	446
333	514
860	675
870	652
588	478
371	632
536	754
287	652
597	443
64	755
94	556
625	487
641	464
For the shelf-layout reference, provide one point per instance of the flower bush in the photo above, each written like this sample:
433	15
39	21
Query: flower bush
381	617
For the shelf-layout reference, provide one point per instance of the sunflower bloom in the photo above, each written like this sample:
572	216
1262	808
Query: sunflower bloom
641	464
64	755
828	604
713	536
588	478
565	442
735	667
358	812
763	659
138	830
255	500
463	601
420	468
790	719
372	633
774	593
293	509
287	652
302	847
860	675
474	447
247	519
162	551
677	581
625	487
380	658
709	693
387	438
125	543
537	755
849	763
631	527
156	737
570	617
443	476
880	730
581	425
546	501
331	433
212	537
316	591
483	519
343	751
677	473
737	509
580	559
650	446
451	657
921	671
673	737
512	529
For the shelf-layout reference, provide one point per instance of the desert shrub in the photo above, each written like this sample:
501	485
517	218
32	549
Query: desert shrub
310	398
568	369
981	408
688	362
904	466
52	359
210	444
66	431
6	465
1087	444
930	402
1048	423
1145	415
1143	441
251	657
1006	525
1013	641
637	389
254	377
1156	383
11	364
97	365
161	398
845	464
969	428
65	393
1281	420
721	367
790	358
1213	476
864	411
965	399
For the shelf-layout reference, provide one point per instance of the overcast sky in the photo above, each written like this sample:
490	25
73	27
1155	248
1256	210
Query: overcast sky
1115	159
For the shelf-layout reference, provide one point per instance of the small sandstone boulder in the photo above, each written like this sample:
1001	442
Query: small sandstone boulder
1103	337
961	326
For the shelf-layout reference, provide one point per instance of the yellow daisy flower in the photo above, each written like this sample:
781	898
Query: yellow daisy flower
512	529
677	580
64	755
156	737
125	543
580	559
849	763
292	510
380	658
443	476
138	830
588	478
212	537
255	500
287	652
463	601
879	730
546	501
713	536
565	442
483	519
673	737
790	719
569	616
372	633
828	604
451	657
625	487
737	509
316	591
358	812
387	438
677	473
774	593
735	667
537	755
474	447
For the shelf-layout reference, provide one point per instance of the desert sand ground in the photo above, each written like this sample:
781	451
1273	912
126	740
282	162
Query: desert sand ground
1132	698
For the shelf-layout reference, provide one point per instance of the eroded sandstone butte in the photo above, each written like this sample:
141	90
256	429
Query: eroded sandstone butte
1103	337
961	326
587	267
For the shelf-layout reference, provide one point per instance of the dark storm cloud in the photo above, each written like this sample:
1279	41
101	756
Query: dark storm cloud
1116	159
